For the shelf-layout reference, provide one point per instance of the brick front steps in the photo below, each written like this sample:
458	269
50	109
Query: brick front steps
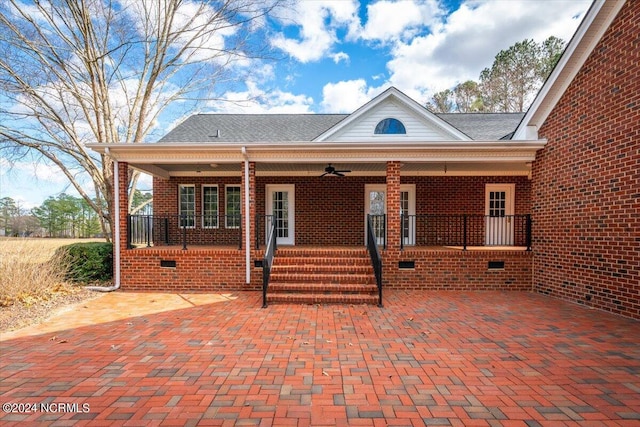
322	275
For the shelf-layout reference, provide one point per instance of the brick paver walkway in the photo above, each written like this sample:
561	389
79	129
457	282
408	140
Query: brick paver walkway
460	359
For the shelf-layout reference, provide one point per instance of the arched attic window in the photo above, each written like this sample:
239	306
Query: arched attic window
390	126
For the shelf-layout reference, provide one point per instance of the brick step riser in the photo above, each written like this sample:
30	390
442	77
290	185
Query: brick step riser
327	271
321	269
321	299
322	289
278	260
322	254
322	278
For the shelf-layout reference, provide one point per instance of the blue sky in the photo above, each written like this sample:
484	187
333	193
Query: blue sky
337	55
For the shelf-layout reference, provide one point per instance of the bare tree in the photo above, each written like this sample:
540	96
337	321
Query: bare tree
83	71
509	85
441	102
517	74
468	97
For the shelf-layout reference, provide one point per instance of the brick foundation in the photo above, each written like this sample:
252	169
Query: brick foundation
196	270
458	270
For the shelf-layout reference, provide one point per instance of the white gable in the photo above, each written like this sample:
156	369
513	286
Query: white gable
420	124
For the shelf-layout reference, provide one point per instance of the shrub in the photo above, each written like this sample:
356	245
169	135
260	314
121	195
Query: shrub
88	262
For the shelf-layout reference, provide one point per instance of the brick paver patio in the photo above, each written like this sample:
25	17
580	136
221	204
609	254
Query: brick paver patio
459	359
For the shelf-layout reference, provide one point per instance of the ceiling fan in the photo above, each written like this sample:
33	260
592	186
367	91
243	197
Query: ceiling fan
330	170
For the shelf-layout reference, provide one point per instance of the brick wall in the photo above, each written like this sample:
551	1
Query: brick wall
586	181
320	200
196	270
464	194
458	270
165	203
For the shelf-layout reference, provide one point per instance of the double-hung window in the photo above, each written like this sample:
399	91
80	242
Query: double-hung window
187	206
209	206
232	204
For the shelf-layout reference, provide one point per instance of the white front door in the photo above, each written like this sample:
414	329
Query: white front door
375	204
280	205
499	208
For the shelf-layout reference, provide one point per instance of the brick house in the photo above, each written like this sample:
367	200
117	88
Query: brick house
337	207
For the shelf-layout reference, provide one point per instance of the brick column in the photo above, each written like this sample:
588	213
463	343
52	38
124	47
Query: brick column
393	205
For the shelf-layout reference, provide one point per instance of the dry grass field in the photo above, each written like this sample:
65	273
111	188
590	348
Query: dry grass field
32	280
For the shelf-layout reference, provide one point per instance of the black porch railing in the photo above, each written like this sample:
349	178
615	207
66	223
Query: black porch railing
374	254
267	261
379	228
465	230
184	230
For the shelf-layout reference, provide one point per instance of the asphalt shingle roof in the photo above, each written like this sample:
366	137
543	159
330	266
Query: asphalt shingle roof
306	127
252	127
484	126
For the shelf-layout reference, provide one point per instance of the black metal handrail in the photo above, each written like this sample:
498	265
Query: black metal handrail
267	260
465	230
260	233
374	254
169	230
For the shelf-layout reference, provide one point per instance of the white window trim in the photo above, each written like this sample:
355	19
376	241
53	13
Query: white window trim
217	215
226	200
180	187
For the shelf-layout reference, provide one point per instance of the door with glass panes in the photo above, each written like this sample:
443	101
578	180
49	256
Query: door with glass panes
499	209
280	207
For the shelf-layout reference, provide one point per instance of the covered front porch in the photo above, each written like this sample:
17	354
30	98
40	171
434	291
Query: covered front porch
419	205
213	209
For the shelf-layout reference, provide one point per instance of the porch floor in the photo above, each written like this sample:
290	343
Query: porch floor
426	358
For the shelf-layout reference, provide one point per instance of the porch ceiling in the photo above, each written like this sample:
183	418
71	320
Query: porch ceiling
357	169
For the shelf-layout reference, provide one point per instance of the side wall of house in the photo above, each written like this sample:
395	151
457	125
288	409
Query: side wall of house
586	181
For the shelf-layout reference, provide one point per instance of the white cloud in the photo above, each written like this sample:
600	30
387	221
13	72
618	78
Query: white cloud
469	39
340	57
317	22
145	182
347	96
255	100
396	20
